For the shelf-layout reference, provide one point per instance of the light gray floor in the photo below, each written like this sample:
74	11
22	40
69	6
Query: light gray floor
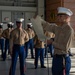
4	67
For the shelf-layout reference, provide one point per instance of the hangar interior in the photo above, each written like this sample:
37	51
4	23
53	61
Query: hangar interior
26	9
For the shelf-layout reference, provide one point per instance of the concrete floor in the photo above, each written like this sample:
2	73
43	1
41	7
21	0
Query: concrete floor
5	65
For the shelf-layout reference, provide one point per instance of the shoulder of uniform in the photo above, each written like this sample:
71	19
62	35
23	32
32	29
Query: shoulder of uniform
24	31
68	27
13	31
5	30
32	30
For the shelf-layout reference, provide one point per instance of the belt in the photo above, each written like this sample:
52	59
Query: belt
18	45
62	55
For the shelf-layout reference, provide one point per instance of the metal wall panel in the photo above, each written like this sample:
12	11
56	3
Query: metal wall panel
28	15
0	16
6	14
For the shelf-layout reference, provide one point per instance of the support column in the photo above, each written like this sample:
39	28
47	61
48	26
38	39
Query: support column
40	8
